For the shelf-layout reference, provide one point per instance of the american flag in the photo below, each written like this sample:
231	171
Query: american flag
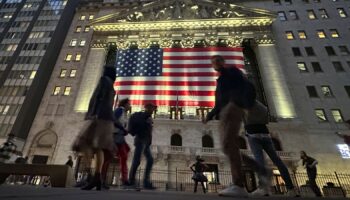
171	76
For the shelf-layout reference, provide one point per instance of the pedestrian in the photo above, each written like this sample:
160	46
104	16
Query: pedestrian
259	140
97	136
310	164
70	161
234	94
140	125
346	134
120	124
8	149
198	168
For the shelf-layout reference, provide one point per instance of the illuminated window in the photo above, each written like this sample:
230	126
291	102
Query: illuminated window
68	57
82	43
91	17
73	73
344	151
67	90
323	13
56	91
63	73
334	33
302	67
321	34
289	35
311	14
282	16
337	116
342	12
302	34
32	75
78	57
326	91
87	29
73	42
78	29
82	17
321	116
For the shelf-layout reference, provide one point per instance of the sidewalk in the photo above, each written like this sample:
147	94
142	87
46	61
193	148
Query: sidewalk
40	193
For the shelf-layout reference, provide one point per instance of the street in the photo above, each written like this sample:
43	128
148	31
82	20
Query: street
33	193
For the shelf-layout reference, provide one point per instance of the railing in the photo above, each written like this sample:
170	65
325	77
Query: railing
176	149
207	150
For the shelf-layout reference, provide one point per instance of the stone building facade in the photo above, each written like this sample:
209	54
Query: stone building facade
256	25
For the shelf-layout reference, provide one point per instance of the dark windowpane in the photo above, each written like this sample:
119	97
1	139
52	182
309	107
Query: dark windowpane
296	51
330	51
316	67
338	66
312	91
310	51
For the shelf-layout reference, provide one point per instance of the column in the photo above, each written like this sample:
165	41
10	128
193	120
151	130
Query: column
92	73
274	81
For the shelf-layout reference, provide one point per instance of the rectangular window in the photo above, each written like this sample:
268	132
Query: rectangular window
293	15
288	2
49	109
330	51
82	18
277	2
56	91
323	14
32	75
321	34
289	35
326	91
282	16
338	66
87	29
60	109
68	57
344	50
91	17
311	14
78	29
82	43
321	116
310	51
342	12
67	90
302	67
73	43
302	34
311	90
296	51
316	67
63	73
78	57
347	90
334	33
73	73
337	116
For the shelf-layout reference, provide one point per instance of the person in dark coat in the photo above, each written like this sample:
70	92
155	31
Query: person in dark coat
98	134
69	161
310	164
198	168
233	96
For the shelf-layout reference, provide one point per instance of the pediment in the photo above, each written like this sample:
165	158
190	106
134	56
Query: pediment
184	10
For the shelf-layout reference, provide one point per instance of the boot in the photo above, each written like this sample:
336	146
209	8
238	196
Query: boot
95	182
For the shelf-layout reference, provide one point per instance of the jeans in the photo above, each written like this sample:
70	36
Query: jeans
260	142
141	147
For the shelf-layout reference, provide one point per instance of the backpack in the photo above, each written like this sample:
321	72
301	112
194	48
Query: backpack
137	123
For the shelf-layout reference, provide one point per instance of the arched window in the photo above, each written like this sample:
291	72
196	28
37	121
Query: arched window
242	143
176	140
207	141
277	144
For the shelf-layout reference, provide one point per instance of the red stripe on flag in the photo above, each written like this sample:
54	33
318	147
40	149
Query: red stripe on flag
197	65
174	103
200	57
190	74
166	92
207	49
